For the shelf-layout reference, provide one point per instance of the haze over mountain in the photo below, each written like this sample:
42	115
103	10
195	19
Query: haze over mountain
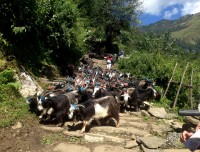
186	30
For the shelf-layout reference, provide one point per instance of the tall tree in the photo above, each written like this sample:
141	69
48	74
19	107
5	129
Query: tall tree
17	19
109	18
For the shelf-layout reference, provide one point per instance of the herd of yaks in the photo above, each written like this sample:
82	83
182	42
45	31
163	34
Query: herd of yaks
93	94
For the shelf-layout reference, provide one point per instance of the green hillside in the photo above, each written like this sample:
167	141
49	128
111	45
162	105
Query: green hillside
185	29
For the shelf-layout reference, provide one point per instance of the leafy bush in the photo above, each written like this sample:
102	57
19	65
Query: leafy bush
6	76
17	85
149	65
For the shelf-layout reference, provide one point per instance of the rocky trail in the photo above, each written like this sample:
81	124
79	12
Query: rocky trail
138	132
154	130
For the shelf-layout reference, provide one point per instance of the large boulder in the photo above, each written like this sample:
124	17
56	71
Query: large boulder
157	112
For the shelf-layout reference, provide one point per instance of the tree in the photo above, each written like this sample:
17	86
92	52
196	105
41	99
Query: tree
47	31
17	19
61	32
109	19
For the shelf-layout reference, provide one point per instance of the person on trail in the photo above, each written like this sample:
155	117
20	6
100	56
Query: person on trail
120	54
109	62
187	134
191	140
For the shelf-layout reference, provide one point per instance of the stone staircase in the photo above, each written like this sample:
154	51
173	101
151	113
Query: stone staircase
137	133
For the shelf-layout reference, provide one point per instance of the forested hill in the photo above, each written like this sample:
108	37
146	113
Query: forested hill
185	30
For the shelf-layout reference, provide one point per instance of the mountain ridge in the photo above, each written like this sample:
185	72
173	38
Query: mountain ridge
185	29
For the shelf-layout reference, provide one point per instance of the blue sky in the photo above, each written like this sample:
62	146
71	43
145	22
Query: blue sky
156	10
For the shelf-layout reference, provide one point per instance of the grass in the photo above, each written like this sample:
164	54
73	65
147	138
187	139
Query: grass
146	118
163	102
12	111
47	140
12	106
76	140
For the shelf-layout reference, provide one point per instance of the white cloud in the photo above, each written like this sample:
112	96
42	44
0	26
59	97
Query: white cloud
155	7
190	8
168	14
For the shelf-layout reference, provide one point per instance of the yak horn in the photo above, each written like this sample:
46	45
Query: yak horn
80	105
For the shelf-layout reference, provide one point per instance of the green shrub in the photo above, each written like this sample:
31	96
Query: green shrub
6	76
17	85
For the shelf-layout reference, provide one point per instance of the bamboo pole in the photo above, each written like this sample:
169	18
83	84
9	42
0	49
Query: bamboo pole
170	81
191	90
175	101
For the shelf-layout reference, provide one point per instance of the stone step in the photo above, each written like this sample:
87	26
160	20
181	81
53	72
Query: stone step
140	125
94	137
52	128
63	147
151	142
107	148
91	137
131	118
120	130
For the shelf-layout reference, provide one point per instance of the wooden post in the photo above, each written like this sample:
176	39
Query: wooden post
191	90
170	81
175	101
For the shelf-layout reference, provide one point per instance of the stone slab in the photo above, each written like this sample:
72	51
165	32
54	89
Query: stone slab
52	129
65	147
120	130
107	148
107	138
